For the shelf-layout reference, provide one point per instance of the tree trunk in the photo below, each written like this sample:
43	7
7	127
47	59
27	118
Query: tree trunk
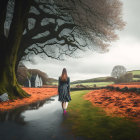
8	82
9	50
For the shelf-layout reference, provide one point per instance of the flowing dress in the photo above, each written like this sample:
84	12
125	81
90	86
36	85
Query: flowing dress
64	90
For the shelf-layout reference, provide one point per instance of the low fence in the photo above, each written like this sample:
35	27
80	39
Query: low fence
76	89
125	89
131	83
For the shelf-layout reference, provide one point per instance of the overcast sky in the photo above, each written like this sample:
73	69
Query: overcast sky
125	51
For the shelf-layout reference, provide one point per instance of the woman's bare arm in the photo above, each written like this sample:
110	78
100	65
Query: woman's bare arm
58	85
69	85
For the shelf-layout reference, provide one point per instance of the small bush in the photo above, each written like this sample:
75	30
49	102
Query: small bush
125	89
118	89
132	89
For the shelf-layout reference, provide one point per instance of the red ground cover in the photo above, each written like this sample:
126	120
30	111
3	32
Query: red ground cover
116	103
36	95
129	85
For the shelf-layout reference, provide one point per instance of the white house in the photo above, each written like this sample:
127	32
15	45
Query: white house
37	81
29	82
41	83
34	81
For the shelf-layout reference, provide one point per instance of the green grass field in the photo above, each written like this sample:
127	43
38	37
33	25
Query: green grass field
98	79
88	121
90	84
135	72
54	83
98	84
135	79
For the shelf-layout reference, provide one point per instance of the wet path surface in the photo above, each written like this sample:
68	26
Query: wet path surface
38	121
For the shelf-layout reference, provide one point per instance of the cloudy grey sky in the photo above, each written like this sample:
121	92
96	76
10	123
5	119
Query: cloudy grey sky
125	51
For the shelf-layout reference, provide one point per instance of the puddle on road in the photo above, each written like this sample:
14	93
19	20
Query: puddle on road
17	114
41	120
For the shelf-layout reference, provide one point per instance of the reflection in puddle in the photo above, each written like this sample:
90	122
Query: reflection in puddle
38	121
16	114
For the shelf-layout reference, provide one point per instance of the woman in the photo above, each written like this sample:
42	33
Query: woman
64	90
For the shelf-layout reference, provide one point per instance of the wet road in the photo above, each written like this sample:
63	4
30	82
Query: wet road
38	121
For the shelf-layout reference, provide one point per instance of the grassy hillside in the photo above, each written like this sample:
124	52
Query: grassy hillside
98	79
98	82
52	81
89	84
92	84
135	72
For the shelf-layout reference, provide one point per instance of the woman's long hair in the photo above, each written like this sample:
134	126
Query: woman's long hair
64	75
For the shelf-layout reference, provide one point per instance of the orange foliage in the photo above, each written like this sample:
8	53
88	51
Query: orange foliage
37	94
116	103
129	85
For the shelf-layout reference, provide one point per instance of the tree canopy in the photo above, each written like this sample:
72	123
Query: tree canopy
58	28
53	28
118	71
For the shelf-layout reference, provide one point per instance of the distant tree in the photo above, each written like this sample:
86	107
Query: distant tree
118	71
120	75
128	77
124	78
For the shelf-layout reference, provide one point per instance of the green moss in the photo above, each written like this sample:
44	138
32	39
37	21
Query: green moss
12	88
89	121
8	82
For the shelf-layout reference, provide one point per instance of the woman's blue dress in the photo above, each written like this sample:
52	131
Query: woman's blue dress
64	90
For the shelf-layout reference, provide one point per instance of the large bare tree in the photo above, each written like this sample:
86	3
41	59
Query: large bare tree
118	71
55	28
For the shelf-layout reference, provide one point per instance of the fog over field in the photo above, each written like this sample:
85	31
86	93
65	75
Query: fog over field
124	51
